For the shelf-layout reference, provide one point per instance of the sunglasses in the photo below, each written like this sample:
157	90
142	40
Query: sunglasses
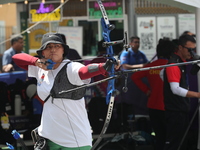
189	49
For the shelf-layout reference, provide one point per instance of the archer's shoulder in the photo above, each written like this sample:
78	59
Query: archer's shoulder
73	64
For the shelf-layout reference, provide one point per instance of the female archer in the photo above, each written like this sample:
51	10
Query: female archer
64	121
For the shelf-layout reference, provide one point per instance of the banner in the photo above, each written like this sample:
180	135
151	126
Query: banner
38	11
114	9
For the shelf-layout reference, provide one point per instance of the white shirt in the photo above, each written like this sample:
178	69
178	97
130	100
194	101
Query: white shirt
65	121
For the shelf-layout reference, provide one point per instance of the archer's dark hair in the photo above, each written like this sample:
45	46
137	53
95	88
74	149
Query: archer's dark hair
165	48
16	39
183	39
133	38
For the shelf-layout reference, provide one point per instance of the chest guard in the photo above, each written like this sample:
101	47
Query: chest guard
62	83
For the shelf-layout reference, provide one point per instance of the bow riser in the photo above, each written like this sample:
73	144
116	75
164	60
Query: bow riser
106	36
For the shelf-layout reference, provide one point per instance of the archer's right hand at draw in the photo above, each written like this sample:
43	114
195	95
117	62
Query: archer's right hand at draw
45	64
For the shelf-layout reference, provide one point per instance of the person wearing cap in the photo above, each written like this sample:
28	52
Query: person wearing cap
64	121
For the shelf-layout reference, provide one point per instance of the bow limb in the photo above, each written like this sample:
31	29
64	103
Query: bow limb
106	123
111	92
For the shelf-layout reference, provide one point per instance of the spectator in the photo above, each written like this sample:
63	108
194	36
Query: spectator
155	90
133	58
176	94
8	65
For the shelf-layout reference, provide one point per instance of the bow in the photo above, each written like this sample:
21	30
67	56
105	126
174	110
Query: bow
111	91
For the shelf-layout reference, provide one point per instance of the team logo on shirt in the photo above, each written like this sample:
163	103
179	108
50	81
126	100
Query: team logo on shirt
41	79
154	72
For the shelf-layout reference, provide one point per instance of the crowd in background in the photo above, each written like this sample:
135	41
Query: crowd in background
165	91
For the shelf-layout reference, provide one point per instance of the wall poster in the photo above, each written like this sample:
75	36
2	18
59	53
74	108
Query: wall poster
74	37
186	22
146	31
166	27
